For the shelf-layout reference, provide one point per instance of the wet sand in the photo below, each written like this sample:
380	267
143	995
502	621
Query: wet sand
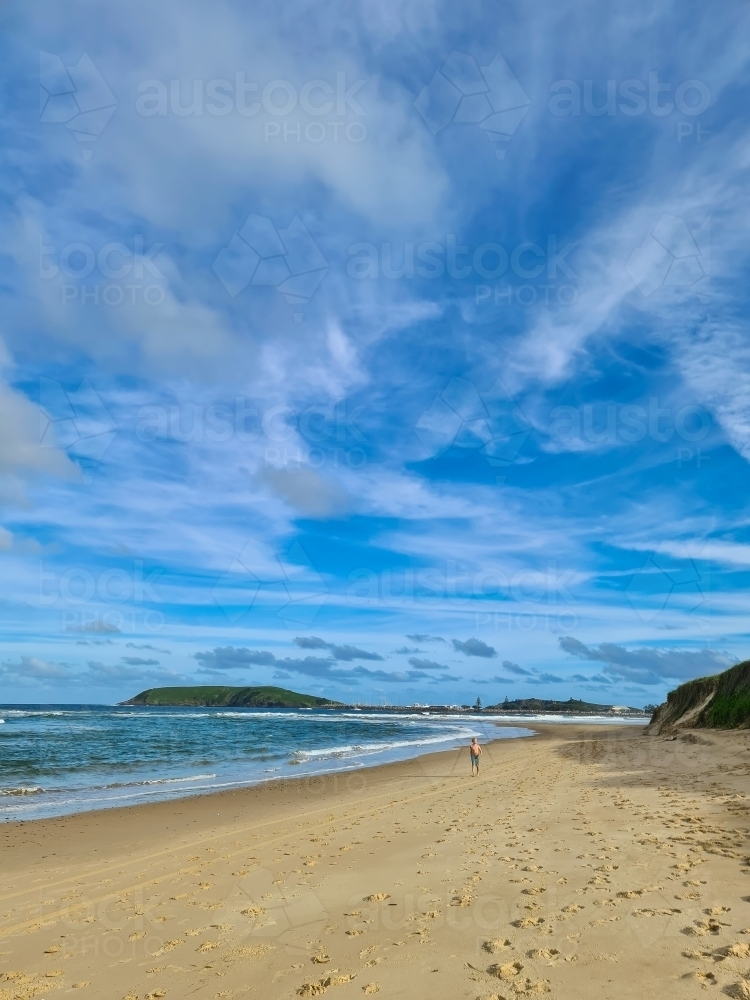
585	861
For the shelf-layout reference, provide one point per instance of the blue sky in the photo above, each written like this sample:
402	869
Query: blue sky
393	353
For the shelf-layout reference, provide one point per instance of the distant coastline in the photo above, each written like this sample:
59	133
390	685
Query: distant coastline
212	696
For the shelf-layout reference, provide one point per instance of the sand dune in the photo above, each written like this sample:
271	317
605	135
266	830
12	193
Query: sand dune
583	862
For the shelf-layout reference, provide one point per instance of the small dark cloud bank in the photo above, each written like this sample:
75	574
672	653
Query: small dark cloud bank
647	665
474	647
344	654
228	658
421	664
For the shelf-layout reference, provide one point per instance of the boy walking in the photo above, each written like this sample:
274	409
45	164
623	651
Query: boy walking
474	752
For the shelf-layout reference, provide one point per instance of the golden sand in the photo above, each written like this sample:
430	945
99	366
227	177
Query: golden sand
584	862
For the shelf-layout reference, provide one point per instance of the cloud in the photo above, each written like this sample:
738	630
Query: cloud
31	668
137	661
229	658
419	637
420	664
474	647
406	650
311	642
120	675
98	625
145	645
306	490
513	668
23	456
324	668
649	665
344	653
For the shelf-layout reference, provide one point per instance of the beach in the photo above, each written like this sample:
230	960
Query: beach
583	861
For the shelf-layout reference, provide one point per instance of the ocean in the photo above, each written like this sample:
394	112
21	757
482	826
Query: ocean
68	758
58	759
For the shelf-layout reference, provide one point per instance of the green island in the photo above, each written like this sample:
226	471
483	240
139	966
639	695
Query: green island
228	697
721	701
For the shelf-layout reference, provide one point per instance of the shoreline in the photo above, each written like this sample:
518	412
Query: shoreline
297	784
97	789
36	802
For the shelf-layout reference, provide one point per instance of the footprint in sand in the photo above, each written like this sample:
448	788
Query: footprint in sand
137	936
376	897
315	989
702	927
321	958
507	970
741	990
543	953
740	949
498	945
168	946
371	988
704	978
